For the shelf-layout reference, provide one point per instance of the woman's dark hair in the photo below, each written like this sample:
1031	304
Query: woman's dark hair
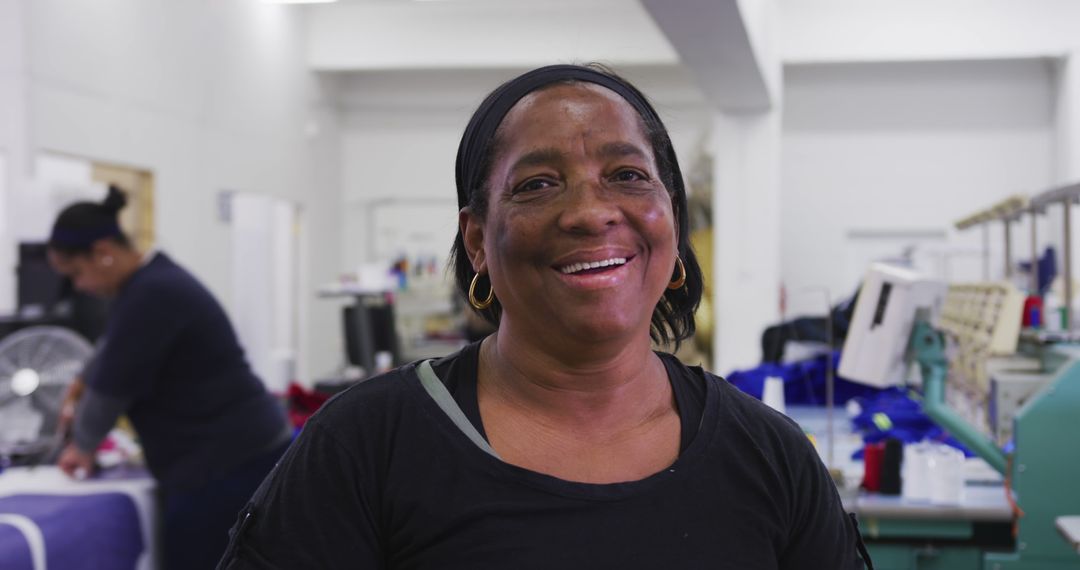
673	317
82	224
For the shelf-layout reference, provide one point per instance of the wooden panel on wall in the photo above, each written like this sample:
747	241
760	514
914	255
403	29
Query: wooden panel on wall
137	219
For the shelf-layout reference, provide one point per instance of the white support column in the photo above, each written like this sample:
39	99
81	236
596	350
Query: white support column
730	47
1068	118
746	219
1067	146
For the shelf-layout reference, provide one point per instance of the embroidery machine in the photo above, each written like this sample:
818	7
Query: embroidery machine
988	384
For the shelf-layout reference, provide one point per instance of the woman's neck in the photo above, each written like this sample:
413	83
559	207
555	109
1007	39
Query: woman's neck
586	384
128	262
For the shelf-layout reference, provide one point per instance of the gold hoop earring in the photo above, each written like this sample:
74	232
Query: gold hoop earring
480	305
681	280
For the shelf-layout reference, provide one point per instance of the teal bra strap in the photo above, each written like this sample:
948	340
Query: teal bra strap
438	392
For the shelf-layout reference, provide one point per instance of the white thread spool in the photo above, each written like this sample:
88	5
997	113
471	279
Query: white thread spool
916	472
773	394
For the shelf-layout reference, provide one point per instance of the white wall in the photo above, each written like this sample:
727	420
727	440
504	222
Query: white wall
900	30
210	96
7	251
392	158
12	137
906	147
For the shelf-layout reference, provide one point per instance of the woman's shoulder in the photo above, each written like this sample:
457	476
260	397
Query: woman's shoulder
385	399
162	278
375	394
770	431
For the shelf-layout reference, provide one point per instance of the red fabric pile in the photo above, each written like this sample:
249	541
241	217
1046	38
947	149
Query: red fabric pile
302	403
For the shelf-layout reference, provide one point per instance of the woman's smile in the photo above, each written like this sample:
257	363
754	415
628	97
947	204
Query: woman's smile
597	269
593	266
603	274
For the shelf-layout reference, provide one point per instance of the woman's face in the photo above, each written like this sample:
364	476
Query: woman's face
90	273
579	237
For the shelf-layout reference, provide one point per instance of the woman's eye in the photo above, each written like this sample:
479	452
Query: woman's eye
628	176
533	184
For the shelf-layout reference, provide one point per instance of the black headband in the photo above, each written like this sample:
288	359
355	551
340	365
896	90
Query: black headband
83	237
476	141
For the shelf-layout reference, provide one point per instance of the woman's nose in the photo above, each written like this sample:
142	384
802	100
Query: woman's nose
589	208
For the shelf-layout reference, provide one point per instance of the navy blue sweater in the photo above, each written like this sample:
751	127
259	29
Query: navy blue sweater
171	352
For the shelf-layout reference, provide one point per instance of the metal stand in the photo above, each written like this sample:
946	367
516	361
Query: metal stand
1007	211
1067	257
1033	281
830	384
1008	249
830	375
1066	196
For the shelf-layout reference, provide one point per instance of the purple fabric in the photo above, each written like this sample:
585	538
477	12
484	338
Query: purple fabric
14	550
82	532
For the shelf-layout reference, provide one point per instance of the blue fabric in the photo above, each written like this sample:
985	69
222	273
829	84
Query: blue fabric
804	381
1046	270
804	384
906	420
82	532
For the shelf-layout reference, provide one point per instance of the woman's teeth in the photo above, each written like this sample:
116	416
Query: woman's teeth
576	267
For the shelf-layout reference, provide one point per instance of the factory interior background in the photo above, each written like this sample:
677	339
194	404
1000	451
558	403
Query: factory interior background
870	127
298	159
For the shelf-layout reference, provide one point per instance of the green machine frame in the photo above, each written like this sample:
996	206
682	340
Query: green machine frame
1044	470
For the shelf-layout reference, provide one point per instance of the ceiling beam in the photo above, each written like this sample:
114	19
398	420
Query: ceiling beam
716	40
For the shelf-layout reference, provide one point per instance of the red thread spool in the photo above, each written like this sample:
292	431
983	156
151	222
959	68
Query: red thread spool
873	455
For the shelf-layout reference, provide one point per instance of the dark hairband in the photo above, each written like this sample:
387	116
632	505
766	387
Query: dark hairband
83	237
485	121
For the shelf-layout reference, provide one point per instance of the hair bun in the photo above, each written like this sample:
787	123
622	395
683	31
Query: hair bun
116	200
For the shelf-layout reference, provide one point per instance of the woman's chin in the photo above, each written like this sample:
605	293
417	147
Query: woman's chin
602	328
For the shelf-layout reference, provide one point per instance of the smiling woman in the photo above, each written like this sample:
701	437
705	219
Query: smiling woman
562	440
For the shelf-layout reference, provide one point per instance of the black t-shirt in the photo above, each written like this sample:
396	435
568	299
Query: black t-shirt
171	352
381	478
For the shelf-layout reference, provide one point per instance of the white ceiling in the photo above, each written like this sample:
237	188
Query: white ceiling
706	44
366	35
